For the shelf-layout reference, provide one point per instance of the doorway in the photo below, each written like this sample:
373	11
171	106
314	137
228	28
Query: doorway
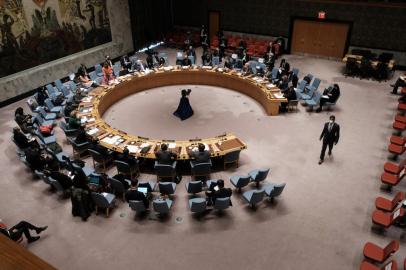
214	23
320	37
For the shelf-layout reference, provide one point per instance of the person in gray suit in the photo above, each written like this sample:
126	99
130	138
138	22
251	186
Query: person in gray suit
164	156
200	156
330	136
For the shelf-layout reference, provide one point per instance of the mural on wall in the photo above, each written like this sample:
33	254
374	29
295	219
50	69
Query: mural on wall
34	32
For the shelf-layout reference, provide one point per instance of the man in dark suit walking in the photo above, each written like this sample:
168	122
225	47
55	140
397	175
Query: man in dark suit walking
330	136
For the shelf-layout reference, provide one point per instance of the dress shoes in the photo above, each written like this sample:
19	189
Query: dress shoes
320	161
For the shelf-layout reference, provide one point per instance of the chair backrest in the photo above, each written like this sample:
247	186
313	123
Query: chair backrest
99	200
49	103
137	206
215	60
392	247
257	196
202	168
96	156
310	76
243	181
116	70
51	89
316	97
56	184
167	187
122	166
232	156
316	83
59	84
301	85
197	205
222	203
164	170
98	68
93	75
42	111
262	174
277	190
72	86
116	185
274	73
194	186
192	59
295	71
400	196
161	206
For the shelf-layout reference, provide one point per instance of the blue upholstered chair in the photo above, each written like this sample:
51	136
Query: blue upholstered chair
100	159
137	206
259	175
104	200
197	205
162	207
240	181
222	203
194	187
165	171
201	169
300	88
232	158
78	148
52	108
274	190
167	188
45	115
253	197
314	101
126	169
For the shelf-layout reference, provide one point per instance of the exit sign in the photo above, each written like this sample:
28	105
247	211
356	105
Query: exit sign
322	15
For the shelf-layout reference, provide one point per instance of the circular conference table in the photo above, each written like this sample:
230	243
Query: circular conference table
92	108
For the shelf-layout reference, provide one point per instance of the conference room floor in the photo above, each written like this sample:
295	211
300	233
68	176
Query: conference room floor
321	221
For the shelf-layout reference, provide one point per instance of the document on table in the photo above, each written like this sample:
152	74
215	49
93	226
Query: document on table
87	110
144	145
172	145
325	96
92	131
279	95
111	140
206	67
270	85
133	148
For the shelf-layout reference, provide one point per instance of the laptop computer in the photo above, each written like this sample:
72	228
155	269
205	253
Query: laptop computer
94	179
143	190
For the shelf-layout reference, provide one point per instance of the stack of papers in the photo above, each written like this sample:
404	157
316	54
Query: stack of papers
279	95
92	131
220	69
206	67
87	110
133	148
84	120
144	145
111	140
168	68
270	85
185	67
86	99
172	145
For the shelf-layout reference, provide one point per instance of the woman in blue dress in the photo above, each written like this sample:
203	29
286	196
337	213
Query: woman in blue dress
184	110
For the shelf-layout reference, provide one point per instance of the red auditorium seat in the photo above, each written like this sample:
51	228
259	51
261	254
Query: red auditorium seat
396	149
400	118
394	168
399	140
385	219
392	265
404	263
399	126
391	179
402	106
389	205
378	254
403	91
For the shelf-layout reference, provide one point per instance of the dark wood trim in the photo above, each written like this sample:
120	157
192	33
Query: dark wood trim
15	256
315	19
357	3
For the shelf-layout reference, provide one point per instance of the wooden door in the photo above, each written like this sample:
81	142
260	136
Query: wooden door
214	23
319	38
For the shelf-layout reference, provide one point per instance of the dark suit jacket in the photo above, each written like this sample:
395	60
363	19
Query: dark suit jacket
330	136
127	159
335	93
222	193
21	140
165	157
135	195
200	157
63	179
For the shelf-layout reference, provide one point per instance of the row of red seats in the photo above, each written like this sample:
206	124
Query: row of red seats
388	211
176	39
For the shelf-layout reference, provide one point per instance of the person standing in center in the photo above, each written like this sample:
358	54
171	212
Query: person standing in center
184	110
330	136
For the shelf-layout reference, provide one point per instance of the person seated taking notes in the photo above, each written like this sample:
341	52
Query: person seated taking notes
133	194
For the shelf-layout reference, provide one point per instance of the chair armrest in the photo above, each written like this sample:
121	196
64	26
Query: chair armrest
174	164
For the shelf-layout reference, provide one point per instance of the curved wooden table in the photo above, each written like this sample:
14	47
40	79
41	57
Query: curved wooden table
100	99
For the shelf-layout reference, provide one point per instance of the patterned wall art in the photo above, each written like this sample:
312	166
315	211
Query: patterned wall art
34	32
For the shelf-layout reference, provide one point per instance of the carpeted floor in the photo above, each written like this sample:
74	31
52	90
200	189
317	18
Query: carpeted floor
321	221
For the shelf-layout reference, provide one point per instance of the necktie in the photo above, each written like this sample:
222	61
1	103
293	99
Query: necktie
330	126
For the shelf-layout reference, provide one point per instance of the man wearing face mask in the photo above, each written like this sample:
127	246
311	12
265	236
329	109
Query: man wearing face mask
330	136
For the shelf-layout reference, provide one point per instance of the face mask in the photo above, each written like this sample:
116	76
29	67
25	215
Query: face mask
331	121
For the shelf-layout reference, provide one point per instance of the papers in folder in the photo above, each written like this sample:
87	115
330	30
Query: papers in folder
87	110
325	96
84	120
169	68
206	67
86	99
270	85
258	79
